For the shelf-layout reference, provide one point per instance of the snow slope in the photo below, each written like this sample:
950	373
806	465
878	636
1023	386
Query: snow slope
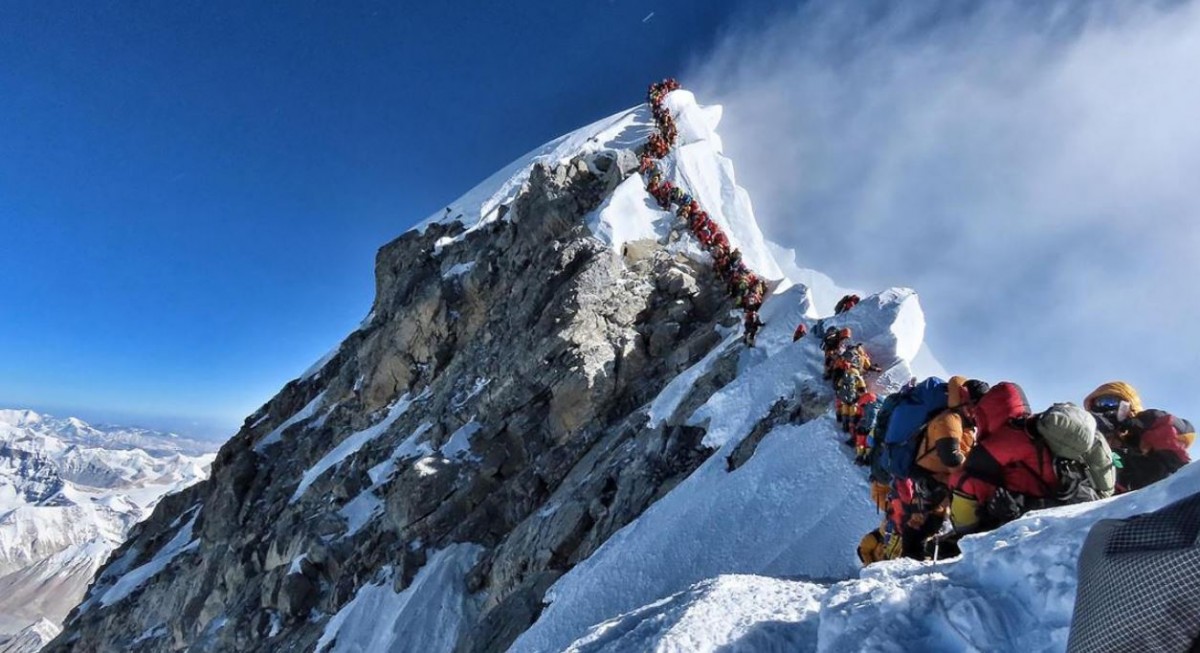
481	205
69	493
1013	589
425	616
796	508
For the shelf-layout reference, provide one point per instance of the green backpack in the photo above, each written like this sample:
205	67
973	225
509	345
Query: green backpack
1070	432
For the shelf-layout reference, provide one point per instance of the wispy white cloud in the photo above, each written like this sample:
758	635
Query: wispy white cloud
1032	169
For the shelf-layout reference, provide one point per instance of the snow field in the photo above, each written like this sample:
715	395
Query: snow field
771	615
426	616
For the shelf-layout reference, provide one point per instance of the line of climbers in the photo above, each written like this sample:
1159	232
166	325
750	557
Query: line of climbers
846	368
746	288
950	458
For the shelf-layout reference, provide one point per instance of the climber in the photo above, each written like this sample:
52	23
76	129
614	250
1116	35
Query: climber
834	342
678	196
719	237
657	146
1155	446
903	452
669	131
1006	469
801	331
663	194
720	256
944	442
737	287
912	516
736	268
1120	402
881	543
755	294
845	303
752	325
734	265
653	183
949	436
848	389
704	229
864	424
1151	444
854	357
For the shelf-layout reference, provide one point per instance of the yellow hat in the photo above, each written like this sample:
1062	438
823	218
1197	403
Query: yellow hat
1119	389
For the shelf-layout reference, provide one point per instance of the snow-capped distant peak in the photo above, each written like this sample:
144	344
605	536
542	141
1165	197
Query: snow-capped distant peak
19	418
69	493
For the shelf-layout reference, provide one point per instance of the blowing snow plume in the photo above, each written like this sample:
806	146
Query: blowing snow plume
1026	167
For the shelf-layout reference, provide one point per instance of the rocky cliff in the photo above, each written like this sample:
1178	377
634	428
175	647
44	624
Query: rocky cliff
533	375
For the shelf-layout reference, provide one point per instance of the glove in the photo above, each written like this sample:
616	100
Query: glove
879	494
1005	506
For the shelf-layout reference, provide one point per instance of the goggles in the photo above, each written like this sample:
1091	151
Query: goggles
1105	404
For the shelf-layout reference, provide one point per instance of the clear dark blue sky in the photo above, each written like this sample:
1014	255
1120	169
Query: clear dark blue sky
192	193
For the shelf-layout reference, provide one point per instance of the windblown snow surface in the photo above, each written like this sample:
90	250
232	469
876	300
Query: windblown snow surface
761	558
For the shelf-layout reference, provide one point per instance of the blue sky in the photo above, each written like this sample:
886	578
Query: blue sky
192	193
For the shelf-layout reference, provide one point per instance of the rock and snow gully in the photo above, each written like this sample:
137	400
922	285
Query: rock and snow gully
547	435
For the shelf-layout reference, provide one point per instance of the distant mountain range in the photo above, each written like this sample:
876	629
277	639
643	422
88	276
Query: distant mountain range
69	493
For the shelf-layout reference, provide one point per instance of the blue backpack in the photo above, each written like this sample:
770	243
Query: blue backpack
918	405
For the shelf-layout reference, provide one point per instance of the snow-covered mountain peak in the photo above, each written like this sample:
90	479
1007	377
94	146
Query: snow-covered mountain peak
69	493
552	376
19	418
629	215
547	435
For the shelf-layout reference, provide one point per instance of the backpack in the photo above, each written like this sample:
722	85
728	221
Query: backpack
906	423
870	413
1153	430
1070	432
845	303
1075	485
875	438
852	358
848	387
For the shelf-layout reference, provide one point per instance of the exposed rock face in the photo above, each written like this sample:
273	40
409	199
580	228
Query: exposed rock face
492	397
